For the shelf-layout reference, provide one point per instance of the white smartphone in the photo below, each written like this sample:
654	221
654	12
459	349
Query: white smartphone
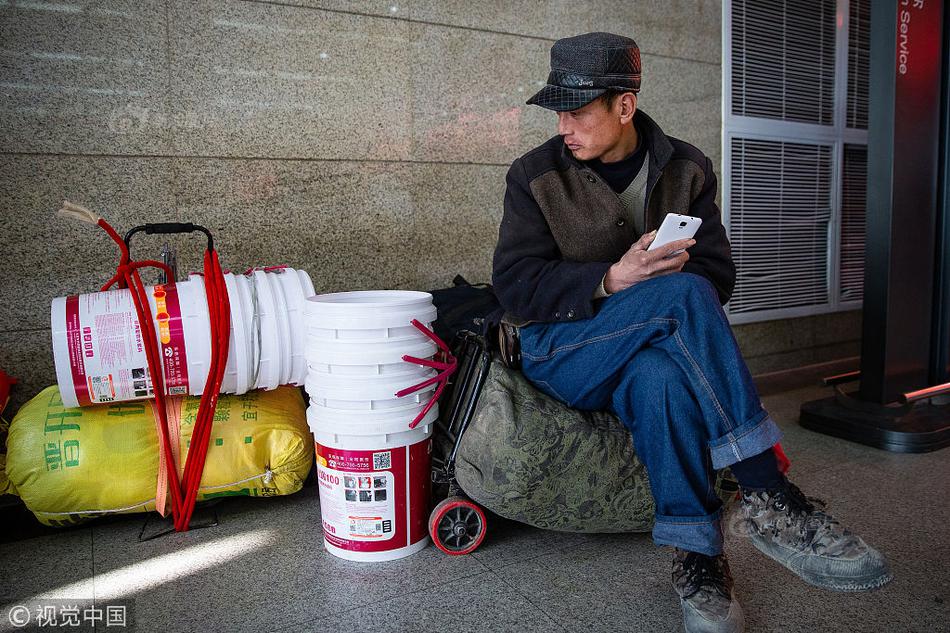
675	227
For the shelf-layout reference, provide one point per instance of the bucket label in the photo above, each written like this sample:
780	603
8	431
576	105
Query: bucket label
374	501
171	335
77	350
368	507
106	347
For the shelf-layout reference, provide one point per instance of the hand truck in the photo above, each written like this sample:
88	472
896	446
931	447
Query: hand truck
457	524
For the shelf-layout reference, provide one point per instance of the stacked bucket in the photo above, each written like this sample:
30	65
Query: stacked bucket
267	332
373	469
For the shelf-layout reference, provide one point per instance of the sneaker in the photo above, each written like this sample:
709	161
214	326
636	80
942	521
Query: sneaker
793	529
704	585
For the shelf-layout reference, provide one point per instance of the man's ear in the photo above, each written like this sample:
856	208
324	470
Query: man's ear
628	107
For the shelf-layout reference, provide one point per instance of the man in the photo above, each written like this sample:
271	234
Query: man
605	324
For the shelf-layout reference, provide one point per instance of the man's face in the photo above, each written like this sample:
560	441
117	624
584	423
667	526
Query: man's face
591	131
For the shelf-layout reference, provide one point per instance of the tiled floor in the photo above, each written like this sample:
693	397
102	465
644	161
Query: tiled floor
264	566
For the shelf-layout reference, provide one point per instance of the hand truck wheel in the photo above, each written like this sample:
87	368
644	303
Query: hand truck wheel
457	526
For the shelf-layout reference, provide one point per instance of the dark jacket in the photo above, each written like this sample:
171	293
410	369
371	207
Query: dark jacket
563	226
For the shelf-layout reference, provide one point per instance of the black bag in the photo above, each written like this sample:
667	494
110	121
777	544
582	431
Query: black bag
465	306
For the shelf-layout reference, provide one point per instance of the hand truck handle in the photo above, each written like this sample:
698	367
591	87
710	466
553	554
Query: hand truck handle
168	228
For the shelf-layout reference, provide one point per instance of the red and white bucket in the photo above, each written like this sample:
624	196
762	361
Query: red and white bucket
374	471
374	486
100	355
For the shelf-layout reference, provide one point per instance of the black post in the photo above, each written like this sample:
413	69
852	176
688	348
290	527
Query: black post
906	319
940	363
903	128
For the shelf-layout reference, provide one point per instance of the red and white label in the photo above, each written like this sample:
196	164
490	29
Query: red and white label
171	335
106	347
374	501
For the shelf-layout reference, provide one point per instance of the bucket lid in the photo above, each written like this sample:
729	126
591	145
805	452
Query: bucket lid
336	302
367	401
367	309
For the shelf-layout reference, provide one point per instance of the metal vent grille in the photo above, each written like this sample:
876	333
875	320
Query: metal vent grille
859	59
783	59
779	215
853	215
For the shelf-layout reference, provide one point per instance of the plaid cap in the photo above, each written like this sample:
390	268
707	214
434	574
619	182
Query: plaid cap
583	67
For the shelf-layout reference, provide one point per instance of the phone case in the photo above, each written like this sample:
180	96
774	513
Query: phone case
675	227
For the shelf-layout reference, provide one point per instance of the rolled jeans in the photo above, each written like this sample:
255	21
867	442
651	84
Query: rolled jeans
661	356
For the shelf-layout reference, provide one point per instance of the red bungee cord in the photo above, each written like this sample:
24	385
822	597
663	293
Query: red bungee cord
447	365
127	276
219	310
184	492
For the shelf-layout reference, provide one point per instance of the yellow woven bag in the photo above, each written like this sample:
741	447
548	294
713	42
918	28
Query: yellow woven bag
69	465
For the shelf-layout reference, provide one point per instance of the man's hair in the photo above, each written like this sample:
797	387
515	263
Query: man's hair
612	95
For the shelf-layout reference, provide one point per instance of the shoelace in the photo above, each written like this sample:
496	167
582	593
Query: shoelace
795	500
702	570
797	504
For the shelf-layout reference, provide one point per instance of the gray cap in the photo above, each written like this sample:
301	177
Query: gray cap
583	67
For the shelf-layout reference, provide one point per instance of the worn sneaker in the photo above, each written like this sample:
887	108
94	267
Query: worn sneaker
786	525
704	585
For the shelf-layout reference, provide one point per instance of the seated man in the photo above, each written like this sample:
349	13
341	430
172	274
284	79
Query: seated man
604	324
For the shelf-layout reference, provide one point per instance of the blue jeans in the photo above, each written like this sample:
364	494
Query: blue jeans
662	356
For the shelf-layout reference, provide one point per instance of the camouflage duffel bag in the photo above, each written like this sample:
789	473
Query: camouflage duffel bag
530	458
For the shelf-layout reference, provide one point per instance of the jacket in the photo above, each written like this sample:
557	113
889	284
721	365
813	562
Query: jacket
563	226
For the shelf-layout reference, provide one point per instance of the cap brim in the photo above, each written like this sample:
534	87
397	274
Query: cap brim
562	99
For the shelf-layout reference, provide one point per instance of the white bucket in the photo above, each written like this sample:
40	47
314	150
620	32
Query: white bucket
270	352
197	330
380	422
241	356
373	470
365	395
295	297
388	352
283	329
374	490
98	347
306	284
369	310
400	368
405	415
362	386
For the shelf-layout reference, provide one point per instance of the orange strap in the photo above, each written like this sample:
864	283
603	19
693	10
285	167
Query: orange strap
173	413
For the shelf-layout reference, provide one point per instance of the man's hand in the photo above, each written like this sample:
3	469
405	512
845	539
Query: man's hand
637	264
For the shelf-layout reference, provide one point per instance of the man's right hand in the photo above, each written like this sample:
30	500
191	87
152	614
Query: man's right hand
637	264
